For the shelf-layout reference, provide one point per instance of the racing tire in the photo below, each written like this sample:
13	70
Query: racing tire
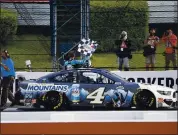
144	99
53	100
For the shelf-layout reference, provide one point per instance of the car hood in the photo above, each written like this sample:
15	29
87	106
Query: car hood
154	87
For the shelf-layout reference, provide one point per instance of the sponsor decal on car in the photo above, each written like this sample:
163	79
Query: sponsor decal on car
120	87
46	87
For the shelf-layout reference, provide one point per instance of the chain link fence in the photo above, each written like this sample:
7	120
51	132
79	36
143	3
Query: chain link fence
36	47
135	64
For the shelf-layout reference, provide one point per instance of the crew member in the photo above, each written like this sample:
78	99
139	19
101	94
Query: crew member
8	75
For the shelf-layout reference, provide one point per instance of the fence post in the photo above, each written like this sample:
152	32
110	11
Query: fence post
53	24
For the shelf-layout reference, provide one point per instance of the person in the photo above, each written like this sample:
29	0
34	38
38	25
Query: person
82	78
8	75
150	49
71	63
123	51
170	41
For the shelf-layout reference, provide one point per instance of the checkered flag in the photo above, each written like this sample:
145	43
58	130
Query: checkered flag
87	47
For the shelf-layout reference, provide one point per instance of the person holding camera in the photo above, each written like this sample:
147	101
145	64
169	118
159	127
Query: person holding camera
170	41
8	75
150	49
123	51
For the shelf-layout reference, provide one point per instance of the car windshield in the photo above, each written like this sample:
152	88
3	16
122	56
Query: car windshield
38	79
43	78
117	76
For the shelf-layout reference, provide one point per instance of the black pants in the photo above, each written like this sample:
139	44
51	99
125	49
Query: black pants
6	84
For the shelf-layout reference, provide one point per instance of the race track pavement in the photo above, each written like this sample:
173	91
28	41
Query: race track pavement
24	109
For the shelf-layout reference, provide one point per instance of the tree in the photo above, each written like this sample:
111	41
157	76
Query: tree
8	25
110	18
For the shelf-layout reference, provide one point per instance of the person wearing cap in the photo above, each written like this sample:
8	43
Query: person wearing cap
170	41
123	51
8	75
150	49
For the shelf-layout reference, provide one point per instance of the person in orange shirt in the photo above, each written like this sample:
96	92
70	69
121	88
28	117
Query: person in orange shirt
170	41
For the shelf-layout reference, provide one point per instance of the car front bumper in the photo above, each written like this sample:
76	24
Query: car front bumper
168	101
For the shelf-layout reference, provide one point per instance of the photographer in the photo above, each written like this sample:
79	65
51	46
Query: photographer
150	49
123	51
8	75
170	41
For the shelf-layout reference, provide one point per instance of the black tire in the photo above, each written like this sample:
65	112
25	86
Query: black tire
18	96
53	100
144	99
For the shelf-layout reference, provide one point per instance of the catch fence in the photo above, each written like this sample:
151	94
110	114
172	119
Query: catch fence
33	38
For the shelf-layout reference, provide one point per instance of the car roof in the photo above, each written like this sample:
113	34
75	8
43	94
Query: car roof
75	69
84	69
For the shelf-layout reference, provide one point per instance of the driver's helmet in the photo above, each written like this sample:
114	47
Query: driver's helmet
99	80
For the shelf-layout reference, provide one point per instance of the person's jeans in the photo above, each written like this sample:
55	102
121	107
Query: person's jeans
170	58
125	62
6	90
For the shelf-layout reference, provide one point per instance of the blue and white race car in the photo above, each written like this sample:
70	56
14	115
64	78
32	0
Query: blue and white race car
90	87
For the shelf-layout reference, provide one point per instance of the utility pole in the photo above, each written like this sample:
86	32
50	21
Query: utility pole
85	9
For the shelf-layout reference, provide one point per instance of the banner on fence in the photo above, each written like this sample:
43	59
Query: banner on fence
164	78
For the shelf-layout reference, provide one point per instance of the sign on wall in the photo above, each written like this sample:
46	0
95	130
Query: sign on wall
163	78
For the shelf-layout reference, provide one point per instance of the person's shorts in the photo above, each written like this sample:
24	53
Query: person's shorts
150	59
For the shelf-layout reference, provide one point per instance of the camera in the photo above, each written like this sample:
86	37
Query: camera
166	33
122	36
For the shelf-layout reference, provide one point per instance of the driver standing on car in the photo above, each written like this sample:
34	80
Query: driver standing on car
8	75
71	63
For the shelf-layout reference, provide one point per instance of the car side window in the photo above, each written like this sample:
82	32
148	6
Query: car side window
104	80
93	78
64	78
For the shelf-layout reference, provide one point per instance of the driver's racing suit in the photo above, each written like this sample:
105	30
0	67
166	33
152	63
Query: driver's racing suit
70	64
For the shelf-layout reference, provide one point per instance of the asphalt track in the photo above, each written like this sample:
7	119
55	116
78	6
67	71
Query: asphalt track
31	109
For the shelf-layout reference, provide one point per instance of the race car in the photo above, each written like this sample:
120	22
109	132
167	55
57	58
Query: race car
91	87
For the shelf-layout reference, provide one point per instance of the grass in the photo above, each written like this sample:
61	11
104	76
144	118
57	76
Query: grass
27	47
137	61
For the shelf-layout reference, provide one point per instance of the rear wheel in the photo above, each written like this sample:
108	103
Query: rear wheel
53	100
144	99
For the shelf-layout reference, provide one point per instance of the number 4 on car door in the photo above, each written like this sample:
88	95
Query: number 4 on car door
97	96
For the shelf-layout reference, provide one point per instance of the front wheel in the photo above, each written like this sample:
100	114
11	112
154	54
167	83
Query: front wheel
52	100
144	99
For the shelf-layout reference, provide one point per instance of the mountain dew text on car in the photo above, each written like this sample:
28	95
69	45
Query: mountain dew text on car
46	87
